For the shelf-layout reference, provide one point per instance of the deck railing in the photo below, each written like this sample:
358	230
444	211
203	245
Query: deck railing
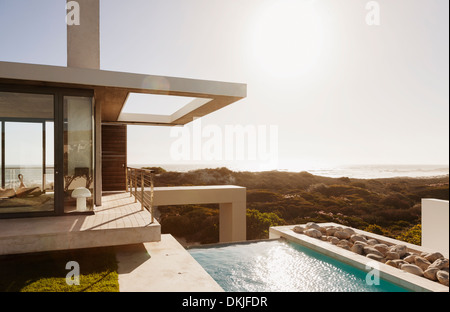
137	180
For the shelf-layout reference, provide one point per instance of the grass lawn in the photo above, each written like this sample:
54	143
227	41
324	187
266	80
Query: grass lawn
47	272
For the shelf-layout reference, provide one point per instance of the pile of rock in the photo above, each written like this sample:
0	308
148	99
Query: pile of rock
432	266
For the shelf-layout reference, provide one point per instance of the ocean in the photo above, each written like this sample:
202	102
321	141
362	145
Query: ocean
353	171
33	175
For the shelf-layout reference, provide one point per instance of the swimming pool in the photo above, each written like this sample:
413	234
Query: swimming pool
282	266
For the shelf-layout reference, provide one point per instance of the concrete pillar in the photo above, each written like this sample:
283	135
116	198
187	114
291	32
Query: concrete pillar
232	222
435	225
83	40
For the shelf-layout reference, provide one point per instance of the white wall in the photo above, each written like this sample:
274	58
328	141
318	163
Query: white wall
435	225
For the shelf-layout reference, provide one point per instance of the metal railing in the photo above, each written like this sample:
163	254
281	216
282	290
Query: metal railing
137	180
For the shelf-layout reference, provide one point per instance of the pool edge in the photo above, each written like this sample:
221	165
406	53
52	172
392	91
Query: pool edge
391	274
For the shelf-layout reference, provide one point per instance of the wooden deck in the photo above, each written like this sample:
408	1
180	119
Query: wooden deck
119	221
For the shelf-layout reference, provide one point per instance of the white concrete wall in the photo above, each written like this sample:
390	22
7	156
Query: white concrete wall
435	225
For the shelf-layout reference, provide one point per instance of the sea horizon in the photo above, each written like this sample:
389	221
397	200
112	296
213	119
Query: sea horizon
368	171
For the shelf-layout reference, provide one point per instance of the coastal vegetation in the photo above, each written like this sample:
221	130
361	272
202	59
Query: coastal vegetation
390	206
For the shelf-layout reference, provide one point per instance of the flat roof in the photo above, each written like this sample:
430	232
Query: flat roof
112	89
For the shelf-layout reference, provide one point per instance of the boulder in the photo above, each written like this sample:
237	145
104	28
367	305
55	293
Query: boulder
298	229
358	248
314	233
392	263
342	235
331	231
376	257
442	277
383	248
371	250
358	238
430	273
312	225
401	249
392	255
349	231
440	264
412	268
422	263
344	242
434	256
372	241
334	240
322	230
410	258
399	262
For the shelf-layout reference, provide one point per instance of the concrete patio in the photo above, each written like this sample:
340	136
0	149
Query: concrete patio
119	221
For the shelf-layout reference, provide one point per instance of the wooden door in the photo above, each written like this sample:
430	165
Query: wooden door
114	157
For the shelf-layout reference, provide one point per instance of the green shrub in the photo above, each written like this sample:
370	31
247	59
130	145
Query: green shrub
412	235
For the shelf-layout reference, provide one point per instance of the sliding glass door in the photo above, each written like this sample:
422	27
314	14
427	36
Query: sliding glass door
27	146
78	154
47	152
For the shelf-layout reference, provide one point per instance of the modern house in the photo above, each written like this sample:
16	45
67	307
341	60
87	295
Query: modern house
64	129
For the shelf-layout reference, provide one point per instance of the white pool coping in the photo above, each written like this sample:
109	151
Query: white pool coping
394	275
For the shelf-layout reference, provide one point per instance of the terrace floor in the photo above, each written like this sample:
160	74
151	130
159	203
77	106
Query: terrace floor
119	221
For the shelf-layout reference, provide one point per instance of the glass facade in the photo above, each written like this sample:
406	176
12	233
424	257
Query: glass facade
47	152
27	163
78	154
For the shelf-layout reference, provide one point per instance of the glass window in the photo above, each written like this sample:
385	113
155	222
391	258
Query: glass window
78	154
27	150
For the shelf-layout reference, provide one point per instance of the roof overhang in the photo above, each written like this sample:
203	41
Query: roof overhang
112	89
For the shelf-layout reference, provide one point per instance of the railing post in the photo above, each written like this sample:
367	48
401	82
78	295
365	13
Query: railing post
152	211
126	179
131	182
142	190
135	186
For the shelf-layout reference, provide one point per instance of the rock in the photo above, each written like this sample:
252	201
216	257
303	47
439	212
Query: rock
322	230
344	242
358	248
383	248
392	255
392	263
349	231
376	257
331	231
324	238
401	249
371	250
410	258
442	277
314	233
372	241
343	245
399	262
422	263
430	273
440	264
298	229
434	256
358	238
412	268
334	240
342	235
312	225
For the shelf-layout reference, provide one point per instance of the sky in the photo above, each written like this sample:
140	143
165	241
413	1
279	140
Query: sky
334	89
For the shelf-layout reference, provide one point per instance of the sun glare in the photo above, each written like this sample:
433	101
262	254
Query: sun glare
287	38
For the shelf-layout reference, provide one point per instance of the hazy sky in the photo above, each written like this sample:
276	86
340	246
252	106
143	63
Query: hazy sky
338	90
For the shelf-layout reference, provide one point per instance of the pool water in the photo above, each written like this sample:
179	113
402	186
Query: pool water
281	266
